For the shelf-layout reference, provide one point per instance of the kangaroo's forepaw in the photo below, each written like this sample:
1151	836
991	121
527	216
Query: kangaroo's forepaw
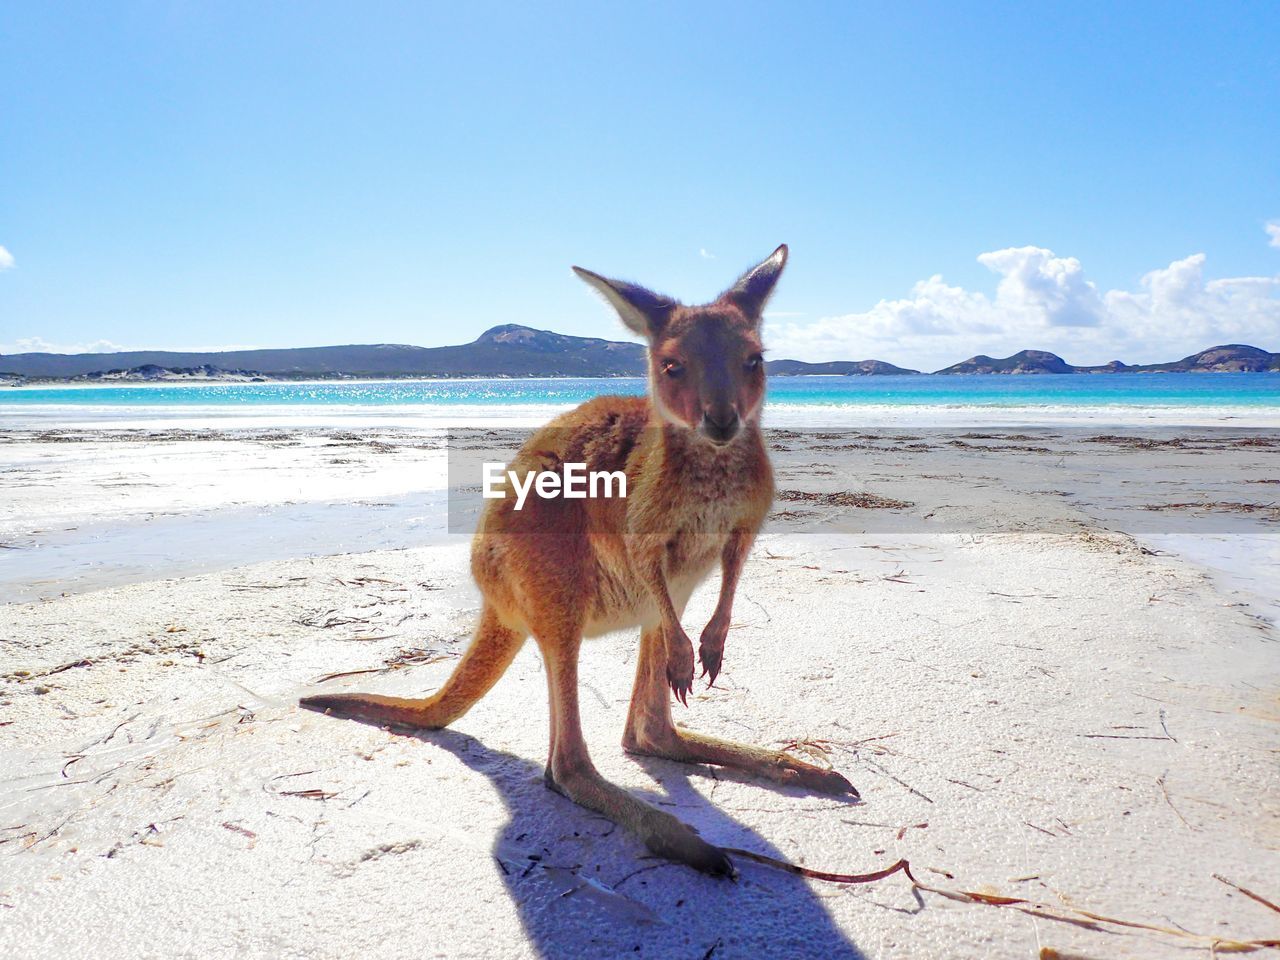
711	647
674	840
680	673
711	658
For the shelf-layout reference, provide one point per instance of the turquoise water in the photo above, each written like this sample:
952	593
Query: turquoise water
1257	390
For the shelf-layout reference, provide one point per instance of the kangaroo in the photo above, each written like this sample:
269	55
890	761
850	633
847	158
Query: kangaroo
699	486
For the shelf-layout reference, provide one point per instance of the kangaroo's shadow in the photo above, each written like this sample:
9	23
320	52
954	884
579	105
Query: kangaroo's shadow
585	887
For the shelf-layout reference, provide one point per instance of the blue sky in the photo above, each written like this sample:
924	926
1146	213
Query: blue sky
210	174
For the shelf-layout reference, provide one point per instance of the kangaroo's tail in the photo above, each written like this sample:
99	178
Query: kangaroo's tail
491	652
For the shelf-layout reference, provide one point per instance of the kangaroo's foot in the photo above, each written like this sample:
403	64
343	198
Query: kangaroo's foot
662	833
491	652
689	747
375	708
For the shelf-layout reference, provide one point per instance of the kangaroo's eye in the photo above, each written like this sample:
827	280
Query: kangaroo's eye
673	368
753	363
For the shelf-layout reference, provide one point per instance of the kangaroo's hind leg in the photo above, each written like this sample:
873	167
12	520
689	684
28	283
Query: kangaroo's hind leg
651	731
571	772
492	649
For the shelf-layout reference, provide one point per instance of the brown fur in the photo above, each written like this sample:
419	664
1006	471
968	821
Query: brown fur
699	486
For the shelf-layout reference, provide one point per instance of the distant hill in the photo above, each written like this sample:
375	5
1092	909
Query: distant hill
512	350
1025	361
506	351
1228	358
842	368
149	372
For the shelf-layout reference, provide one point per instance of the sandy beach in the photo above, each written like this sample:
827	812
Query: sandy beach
941	340
1047	656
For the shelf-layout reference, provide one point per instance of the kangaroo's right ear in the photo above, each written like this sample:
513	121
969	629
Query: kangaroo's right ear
642	310
755	287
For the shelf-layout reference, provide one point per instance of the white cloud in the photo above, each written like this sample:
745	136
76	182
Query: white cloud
6	259
41	345
1044	289
1043	301
706	254
1273	231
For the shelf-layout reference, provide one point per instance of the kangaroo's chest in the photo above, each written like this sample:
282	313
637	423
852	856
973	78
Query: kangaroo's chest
714	494
694	503
707	504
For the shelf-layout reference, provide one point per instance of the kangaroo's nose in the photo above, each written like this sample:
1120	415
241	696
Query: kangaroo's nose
721	426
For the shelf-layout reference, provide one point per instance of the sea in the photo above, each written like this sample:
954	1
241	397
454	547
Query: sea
50	554
1191	398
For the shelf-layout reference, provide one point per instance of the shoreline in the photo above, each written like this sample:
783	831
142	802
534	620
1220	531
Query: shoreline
139	498
443	415
357	381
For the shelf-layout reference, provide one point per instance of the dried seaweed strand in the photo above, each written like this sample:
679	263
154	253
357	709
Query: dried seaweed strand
1079	918
901	865
1247	892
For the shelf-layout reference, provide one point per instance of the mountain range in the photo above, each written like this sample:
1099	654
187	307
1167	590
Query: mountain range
512	350
1228	358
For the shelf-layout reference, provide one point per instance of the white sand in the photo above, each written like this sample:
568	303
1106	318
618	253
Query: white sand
1027	701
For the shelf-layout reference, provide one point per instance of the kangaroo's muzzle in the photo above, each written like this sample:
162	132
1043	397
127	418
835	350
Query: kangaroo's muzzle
720	428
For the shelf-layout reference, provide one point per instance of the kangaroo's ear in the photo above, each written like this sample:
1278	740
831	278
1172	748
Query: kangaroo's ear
643	311
754	287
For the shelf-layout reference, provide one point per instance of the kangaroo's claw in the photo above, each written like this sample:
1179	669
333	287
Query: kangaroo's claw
711	647
711	659
680	671
680	685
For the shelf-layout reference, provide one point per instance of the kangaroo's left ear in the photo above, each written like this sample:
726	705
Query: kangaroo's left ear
753	289
642	310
